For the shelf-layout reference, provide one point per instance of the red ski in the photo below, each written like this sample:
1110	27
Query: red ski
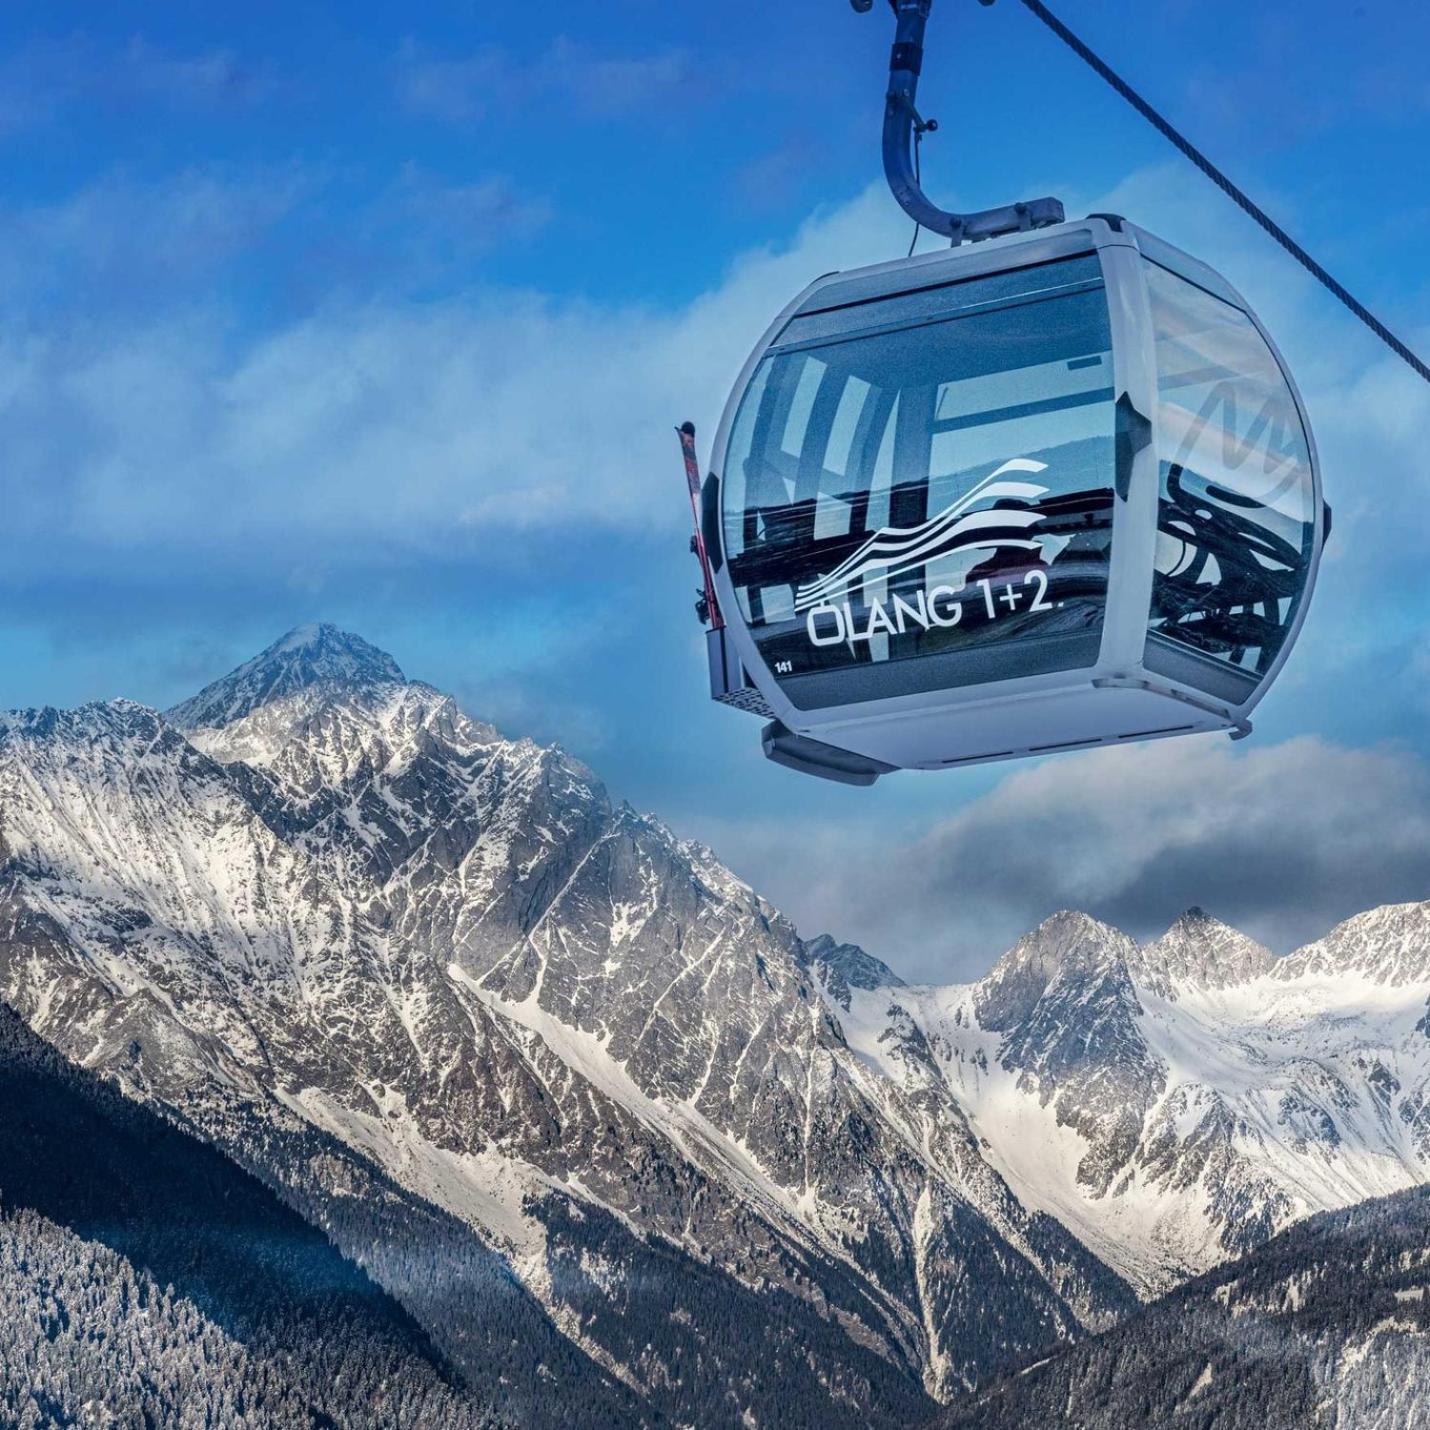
708	608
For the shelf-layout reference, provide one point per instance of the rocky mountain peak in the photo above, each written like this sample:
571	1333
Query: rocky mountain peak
842	966
1064	1000
307	657
90	738
1068	943
1195	917
1199	951
1389	946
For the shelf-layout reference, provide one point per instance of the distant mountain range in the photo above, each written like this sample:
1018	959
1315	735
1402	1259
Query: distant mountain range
600	1122
1178	1103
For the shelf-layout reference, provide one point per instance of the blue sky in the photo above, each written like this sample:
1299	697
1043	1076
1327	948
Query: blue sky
383	315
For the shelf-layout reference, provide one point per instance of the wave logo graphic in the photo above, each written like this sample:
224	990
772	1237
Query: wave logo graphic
892	550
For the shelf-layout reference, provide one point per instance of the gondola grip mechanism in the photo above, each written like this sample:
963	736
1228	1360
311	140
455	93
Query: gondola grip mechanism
903	127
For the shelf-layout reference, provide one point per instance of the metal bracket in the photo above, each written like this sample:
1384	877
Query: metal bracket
1239	726
814	757
903	128
1133	435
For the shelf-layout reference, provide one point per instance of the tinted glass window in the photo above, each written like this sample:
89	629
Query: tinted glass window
942	489
1237	519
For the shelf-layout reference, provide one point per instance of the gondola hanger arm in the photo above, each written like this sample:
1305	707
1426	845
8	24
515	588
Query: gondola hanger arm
904	127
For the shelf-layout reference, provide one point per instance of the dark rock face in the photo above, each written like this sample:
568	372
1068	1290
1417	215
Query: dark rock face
842	966
1065	1002
318	900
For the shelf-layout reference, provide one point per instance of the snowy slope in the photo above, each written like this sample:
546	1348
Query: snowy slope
1178	1103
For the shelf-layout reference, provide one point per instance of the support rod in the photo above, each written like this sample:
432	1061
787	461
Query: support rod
902	128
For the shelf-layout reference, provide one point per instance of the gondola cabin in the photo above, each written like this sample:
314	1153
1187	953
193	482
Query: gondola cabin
1045	492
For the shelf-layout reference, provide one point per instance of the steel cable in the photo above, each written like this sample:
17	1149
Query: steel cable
1237	196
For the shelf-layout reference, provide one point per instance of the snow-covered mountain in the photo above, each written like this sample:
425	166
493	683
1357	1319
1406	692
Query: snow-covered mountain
1178	1103
318	896
317	901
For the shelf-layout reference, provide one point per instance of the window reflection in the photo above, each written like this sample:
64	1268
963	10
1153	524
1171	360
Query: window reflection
1236	518
936	490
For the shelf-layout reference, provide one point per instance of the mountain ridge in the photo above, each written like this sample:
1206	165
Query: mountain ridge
1178	1102
1326	1325
534	1008
309	655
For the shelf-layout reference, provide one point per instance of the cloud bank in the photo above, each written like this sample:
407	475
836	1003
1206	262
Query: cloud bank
378	427
1282	841
373	419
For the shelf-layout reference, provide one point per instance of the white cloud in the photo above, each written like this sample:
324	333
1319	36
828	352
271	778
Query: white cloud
493	79
387	424
384	425
123	240
45	77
